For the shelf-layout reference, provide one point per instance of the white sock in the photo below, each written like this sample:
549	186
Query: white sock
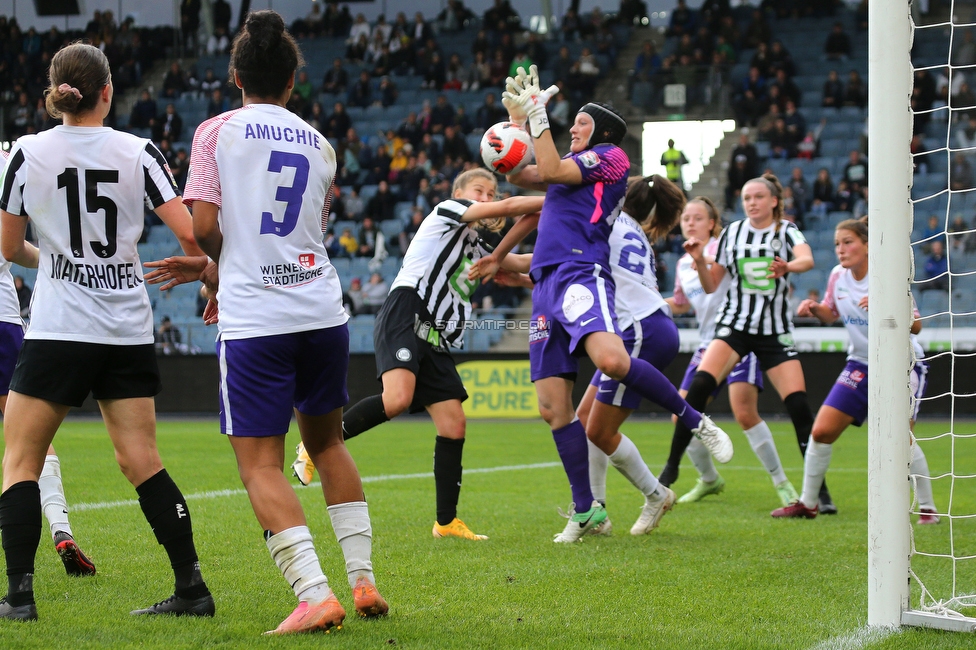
761	441
701	458
53	503
598	472
919	468
814	468
350	521
295	556
628	462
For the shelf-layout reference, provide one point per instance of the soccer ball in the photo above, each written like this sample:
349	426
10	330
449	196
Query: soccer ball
506	148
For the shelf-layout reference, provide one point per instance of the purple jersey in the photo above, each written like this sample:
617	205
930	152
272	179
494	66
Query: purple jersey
577	219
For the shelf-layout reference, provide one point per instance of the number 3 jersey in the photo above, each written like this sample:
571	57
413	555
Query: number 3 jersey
84	189
755	303
270	174
436	267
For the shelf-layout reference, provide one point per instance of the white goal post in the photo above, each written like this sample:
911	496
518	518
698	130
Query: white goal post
890	544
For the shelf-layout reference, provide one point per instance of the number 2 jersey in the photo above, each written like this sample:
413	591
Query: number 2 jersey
436	267
754	303
84	189
270	174
632	264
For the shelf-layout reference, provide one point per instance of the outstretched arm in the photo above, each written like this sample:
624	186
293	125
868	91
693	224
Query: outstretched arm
488	265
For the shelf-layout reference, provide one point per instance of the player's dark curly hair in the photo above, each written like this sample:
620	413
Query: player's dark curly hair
83	67
264	55
655	203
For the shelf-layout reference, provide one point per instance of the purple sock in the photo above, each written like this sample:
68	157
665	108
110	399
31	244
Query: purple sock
653	385
571	445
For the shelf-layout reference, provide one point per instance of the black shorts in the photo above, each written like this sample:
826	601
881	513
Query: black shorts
65	372
396	338
770	349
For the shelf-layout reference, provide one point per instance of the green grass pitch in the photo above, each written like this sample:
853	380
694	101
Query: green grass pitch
718	574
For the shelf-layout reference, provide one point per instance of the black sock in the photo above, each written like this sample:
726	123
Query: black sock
363	416
799	410
702	387
447	477
166	511
20	527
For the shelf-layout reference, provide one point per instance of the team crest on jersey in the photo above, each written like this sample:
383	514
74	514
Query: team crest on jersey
403	354
307	260
723	332
590	159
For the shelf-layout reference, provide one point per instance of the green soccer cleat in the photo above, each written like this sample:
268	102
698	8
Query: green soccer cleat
787	494
702	489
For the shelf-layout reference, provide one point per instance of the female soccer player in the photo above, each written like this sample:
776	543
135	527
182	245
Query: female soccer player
420	321
573	311
701	220
259	188
53	502
758	254
846	297
650	210
83	187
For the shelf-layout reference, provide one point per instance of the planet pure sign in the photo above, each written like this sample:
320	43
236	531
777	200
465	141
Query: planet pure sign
498	389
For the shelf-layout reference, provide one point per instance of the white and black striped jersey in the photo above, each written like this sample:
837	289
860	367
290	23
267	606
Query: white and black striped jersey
84	189
9	302
436	267
754	303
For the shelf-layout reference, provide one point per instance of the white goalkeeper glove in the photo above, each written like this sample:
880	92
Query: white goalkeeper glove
524	95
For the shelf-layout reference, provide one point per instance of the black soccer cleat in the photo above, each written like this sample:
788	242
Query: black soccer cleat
826	504
75	562
20	613
668	475
178	606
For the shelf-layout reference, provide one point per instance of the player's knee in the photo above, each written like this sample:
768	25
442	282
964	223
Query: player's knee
614	364
396	402
703	384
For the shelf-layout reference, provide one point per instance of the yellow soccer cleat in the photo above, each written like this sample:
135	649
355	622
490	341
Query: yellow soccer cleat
303	467
456	528
323	617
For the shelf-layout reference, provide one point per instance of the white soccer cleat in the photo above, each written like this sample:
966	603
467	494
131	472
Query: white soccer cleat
581	522
714	439
604	529
652	512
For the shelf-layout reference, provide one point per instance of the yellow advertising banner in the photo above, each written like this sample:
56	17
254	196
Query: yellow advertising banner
498	389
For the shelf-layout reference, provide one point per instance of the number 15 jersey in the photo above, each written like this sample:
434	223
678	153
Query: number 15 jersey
270	174
84	189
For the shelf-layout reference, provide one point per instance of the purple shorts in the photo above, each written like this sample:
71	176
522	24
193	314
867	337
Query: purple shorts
264	378
918	381
849	393
569	302
11	338
655	340
747	371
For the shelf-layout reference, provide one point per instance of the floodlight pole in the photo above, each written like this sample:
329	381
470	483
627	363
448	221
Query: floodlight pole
890	217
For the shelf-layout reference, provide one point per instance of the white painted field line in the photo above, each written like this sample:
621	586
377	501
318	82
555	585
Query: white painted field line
214	494
862	638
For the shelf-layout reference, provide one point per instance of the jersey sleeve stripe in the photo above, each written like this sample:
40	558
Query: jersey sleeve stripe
598	197
452	209
155	196
13	166
163	165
